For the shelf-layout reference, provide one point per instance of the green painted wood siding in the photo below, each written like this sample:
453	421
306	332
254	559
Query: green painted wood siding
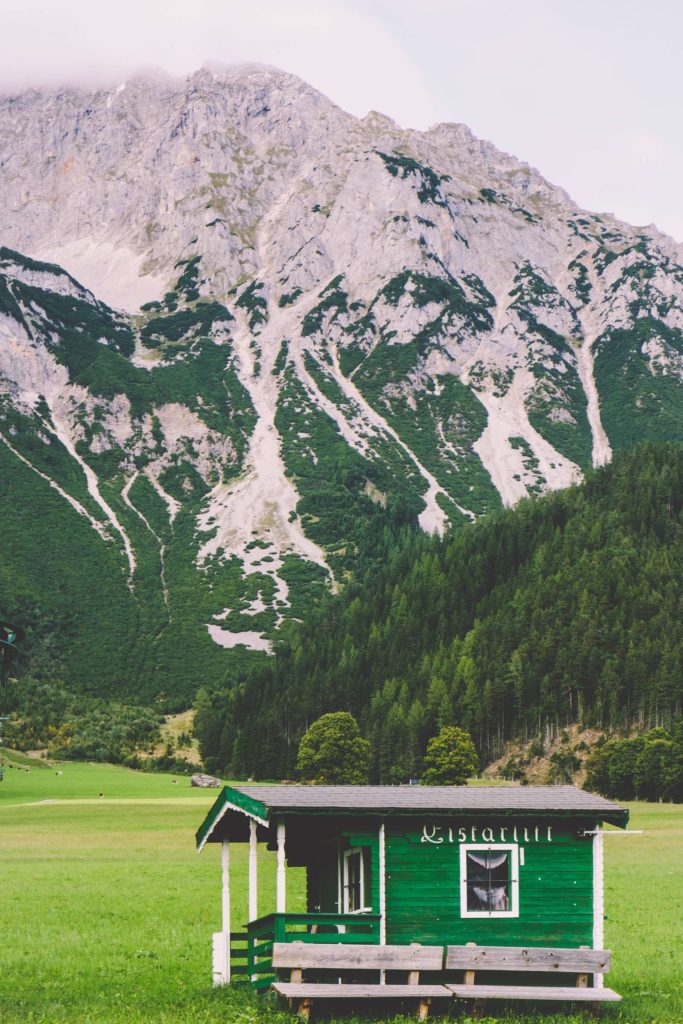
423	889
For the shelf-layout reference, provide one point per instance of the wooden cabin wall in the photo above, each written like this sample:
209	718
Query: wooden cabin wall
423	889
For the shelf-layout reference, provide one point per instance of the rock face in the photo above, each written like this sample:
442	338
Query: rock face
344	326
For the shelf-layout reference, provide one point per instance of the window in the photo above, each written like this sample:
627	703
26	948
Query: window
353	881
489	880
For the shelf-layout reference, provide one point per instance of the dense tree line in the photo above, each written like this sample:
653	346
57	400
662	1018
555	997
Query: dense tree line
649	767
564	609
75	727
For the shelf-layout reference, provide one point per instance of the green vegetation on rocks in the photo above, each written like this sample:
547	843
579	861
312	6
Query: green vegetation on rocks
333	302
336	505
639	399
427	180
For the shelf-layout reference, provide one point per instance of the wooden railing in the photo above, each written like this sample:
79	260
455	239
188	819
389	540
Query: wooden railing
320	928
239	954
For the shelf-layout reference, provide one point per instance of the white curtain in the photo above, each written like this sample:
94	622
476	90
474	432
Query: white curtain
488	860
494	896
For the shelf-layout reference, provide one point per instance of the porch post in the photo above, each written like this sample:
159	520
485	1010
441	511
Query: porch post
382	886
221	940
598	898
225	864
281	876
253	872
382	895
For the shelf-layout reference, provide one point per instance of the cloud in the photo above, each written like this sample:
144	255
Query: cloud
347	54
631	174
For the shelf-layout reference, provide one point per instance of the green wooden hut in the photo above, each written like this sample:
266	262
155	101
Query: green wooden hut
395	865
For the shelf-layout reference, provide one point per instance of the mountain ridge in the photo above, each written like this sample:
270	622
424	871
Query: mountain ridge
306	331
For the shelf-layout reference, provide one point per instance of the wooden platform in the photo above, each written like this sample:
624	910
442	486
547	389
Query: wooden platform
538	992
308	990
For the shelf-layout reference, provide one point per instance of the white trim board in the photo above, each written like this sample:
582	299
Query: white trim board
598	899
227	806
382	885
353	851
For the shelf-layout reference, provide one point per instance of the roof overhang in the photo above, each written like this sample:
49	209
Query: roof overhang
234	807
230	801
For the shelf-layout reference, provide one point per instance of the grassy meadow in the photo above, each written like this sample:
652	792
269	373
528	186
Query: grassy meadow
106	910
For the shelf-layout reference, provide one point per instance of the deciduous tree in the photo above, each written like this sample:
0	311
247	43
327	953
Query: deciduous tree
333	752
451	758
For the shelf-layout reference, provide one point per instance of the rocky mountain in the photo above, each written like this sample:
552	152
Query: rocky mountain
242	332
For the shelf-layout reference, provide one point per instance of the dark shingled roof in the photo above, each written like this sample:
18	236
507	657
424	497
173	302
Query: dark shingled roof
261	802
428	798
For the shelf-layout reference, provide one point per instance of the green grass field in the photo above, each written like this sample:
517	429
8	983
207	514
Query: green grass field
106	910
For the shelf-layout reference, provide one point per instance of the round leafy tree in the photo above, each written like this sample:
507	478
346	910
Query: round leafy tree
333	752
651	767
451	758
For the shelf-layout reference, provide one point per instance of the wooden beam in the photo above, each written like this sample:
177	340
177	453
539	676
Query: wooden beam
527	958
423	1009
304	1009
335	955
281	899
469	978
413	974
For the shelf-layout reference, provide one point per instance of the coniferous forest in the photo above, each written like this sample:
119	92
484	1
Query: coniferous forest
567	608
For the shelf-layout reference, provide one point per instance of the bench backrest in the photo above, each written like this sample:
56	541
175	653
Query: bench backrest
528	958
331	955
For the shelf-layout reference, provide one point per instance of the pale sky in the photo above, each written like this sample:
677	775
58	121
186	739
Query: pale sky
588	91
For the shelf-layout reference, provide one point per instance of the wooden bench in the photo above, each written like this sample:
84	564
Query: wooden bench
582	962
298	957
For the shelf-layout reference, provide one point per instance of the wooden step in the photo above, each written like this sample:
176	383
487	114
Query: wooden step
321	991
566	994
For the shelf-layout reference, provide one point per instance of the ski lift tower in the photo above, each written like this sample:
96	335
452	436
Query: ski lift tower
10	636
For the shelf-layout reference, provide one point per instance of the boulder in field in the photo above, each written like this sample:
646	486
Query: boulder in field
201	781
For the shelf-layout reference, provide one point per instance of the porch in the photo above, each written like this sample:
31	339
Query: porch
348	915
251	950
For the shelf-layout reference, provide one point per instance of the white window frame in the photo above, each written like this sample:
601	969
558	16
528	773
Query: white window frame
513	850
352	852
